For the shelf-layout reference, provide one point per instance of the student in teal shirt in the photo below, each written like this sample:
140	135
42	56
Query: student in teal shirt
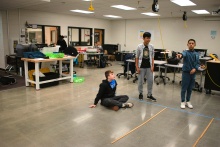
190	65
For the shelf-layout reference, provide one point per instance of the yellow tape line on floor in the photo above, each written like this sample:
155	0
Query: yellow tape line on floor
203	133
138	126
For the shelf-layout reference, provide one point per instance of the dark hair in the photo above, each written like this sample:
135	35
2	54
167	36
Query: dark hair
191	40
147	34
107	73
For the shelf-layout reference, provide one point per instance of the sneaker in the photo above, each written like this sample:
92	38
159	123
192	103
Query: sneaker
115	108
141	96
151	98
183	105
128	105
189	105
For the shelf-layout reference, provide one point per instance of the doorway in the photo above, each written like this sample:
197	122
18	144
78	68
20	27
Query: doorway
99	36
51	35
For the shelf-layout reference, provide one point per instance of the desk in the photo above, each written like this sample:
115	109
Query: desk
180	65
39	60
158	62
93	54
212	78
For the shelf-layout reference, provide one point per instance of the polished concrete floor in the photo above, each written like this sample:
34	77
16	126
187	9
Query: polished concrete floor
60	116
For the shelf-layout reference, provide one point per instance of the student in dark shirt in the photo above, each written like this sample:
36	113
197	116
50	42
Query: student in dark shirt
190	65
62	43
107	94
145	66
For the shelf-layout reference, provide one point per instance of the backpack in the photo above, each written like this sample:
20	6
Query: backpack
6	80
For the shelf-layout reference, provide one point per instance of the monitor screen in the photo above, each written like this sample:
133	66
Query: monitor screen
21	48
32	48
158	55
204	51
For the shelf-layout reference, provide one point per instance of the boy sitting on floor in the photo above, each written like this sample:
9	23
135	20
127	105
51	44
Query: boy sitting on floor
107	94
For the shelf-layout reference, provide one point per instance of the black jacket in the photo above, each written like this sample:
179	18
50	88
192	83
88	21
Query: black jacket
105	91
62	44
72	51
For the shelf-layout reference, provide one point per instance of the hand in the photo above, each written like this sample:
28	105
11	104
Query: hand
152	69
178	56
193	71
92	106
138	70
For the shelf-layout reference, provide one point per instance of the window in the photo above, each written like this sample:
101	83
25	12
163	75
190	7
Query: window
42	34
79	36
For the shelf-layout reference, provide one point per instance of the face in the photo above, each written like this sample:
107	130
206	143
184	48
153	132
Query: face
146	40
111	76
191	45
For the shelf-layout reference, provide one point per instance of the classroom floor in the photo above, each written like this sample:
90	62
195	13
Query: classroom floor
60	116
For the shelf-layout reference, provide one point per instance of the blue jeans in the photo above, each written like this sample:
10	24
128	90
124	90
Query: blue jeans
188	82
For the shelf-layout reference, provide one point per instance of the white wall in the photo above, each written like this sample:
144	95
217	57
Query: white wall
3	38
18	17
124	32
174	33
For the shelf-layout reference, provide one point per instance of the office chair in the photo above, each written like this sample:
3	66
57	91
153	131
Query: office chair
162	70
162	57
131	66
11	62
106	56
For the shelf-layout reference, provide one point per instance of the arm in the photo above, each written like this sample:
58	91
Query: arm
152	68
152	56
98	96
137	61
136	65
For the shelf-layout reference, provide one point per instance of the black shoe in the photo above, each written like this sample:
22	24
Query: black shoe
151	98
141	96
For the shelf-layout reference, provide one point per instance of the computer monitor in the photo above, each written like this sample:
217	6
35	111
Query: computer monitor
202	50
158	55
40	46
20	49
32	48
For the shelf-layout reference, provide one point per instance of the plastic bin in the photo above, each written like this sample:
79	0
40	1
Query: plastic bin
78	79
48	76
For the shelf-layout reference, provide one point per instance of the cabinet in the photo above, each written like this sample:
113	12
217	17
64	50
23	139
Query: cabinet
212	78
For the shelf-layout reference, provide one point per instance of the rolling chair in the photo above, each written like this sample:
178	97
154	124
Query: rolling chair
162	57
131	66
11	62
106	56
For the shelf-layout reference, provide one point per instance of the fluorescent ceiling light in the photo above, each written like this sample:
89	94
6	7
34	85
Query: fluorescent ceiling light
45	0
87	0
200	11
82	11
112	16
123	7
183	2
150	14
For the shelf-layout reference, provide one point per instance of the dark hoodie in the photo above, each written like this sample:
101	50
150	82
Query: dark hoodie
105	91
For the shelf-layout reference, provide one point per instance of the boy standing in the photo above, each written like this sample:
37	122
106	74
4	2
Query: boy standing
107	94
190	65
145	65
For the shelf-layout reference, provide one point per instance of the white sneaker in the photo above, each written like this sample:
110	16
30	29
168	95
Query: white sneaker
189	105
183	105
